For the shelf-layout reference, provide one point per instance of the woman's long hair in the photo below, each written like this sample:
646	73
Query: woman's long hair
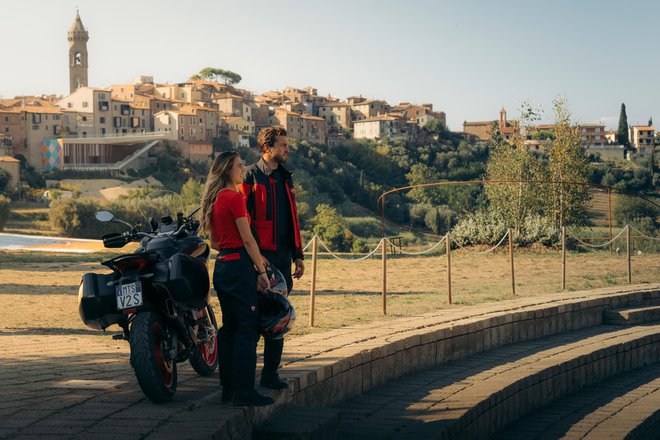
217	179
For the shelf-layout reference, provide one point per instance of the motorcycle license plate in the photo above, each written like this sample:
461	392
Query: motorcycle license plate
129	295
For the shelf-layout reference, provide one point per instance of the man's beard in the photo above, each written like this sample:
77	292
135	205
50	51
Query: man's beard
281	160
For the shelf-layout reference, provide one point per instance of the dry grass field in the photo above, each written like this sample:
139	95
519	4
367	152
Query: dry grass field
38	291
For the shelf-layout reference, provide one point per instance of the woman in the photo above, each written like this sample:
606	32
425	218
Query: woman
225	217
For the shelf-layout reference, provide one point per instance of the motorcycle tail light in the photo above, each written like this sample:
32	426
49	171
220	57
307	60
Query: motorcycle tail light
138	263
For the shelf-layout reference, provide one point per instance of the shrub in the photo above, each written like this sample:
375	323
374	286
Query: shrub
630	209
359	246
4	211
537	229
364	226
76	218
481	227
331	227
488	227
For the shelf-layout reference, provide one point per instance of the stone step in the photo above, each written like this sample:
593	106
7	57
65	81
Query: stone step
632	316
300	423
626	406
477	396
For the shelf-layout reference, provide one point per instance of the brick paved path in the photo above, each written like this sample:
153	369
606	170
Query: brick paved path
422	405
31	404
606	410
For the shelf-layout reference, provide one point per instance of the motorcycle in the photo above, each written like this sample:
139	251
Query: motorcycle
159	297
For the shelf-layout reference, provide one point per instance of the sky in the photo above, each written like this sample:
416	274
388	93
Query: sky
468	58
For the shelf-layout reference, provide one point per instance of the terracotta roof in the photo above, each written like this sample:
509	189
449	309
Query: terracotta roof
336	104
181	111
227	95
642	127
193	109
478	123
39	109
235	119
8	159
9	110
369	101
96	89
314	118
379	118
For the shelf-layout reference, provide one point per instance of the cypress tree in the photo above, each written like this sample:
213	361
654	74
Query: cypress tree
623	127
651	122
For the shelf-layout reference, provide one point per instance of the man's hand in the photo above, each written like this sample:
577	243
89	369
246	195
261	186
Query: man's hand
300	268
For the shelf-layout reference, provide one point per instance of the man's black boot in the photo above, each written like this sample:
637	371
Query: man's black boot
273	381
227	394
251	398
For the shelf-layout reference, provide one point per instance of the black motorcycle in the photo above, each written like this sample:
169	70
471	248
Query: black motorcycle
159	296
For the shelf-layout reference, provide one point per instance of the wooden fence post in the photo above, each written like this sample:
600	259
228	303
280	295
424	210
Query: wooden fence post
628	254
384	292
513	275
312	290
563	258
609	217
448	267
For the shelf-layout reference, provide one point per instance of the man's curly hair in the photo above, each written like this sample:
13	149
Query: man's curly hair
268	136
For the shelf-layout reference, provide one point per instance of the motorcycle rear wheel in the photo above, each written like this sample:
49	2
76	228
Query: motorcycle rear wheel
156	375
204	357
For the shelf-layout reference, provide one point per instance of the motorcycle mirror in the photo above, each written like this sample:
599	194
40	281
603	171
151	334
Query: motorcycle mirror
104	216
194	212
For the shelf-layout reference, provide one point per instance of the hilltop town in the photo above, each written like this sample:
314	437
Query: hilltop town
113	128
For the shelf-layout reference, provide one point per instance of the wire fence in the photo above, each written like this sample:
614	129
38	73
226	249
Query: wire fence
444	246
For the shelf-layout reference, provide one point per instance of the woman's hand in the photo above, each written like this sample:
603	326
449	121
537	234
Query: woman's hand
263	284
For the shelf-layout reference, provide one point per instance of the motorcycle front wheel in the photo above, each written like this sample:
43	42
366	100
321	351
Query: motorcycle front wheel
155	372
204	357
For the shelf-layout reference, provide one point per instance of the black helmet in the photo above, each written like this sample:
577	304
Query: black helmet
276	314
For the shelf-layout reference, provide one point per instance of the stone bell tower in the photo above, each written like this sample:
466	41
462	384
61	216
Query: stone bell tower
78	38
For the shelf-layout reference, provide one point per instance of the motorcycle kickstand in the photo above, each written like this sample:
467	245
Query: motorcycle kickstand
123	335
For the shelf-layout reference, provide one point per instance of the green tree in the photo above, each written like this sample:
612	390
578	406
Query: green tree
420	174
651	121
622	133
331	227
191	194
213	74
5	178
4	211
567	162
513	162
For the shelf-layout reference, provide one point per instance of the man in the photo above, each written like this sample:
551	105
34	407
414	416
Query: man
271	202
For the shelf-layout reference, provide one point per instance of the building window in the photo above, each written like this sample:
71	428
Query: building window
85	104
69	105
102	120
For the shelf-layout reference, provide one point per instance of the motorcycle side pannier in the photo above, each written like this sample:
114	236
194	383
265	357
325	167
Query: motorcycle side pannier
97	302
188	280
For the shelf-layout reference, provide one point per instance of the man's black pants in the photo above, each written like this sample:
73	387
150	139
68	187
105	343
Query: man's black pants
273	348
